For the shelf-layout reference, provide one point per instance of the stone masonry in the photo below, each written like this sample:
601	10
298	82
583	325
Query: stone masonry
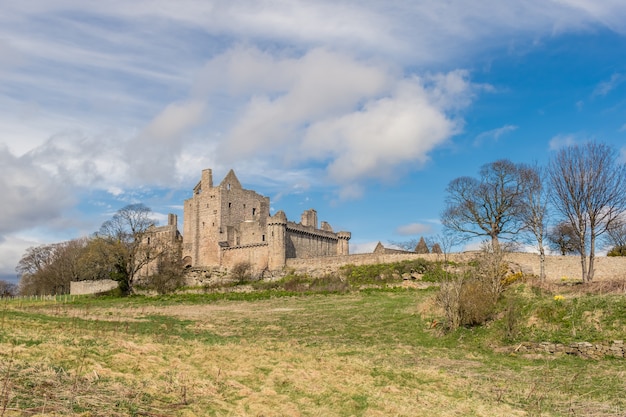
226	224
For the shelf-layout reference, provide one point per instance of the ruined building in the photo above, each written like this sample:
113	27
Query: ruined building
161	244
226	224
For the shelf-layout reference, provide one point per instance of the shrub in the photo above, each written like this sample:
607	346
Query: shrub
241	272
475	304
617	251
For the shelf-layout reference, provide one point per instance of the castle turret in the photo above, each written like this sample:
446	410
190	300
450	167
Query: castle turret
207	179
343	246
277	230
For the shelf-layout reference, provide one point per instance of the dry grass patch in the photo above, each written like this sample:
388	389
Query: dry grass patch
363	354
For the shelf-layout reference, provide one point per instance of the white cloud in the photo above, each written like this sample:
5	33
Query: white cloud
414	229
152	155
494	134
606	87
362	247
30	195
561	141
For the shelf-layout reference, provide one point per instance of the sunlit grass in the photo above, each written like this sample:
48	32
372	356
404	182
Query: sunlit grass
369	353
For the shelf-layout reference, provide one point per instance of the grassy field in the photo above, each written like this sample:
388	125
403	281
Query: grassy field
366	353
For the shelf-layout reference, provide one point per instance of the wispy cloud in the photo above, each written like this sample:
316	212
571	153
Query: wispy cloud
561	141
494	134
606	87
414	229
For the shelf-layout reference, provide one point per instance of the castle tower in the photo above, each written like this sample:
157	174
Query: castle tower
309	218
343	247
277	230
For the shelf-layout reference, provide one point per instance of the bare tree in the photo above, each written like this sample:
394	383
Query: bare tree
487	206
442	243
124	234
563	238
589	191
7	289
534	214
407	245
616	234
49	269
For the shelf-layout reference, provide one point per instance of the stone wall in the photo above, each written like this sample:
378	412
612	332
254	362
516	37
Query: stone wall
599	350
557	267
92	287
256	255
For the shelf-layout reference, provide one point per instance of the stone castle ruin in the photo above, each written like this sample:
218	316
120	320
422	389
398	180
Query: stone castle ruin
225	224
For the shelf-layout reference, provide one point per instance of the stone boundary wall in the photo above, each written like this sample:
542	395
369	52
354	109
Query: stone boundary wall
615	349
92	287
557	267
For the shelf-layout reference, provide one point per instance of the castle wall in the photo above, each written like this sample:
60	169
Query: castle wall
308	242
256	254
557	267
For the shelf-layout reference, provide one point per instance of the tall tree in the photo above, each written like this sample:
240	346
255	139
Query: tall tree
589	191
123	237
534	214
486	206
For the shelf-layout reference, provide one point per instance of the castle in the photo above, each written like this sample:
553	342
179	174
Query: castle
224	225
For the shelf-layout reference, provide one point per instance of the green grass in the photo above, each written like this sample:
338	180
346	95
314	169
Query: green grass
274	352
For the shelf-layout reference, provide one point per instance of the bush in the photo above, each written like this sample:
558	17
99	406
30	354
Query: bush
617	251
476	304
241	272
465	300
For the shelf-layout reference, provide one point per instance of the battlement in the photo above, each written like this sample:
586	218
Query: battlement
225	224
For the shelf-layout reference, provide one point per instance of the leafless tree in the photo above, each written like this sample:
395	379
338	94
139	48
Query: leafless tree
487	206
616	234
49	269
7	289
407	245
589	191
563	238
534	212
124	234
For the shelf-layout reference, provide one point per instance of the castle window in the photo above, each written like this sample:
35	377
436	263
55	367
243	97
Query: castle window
148	241
253	211
228	187
263	238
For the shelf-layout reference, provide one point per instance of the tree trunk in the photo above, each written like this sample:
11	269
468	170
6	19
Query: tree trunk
592	258
542	263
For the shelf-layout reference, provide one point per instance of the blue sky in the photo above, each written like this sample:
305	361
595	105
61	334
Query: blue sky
363	110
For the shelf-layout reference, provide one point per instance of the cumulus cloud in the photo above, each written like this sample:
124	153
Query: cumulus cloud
152	155
30	195
360	119
413	229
